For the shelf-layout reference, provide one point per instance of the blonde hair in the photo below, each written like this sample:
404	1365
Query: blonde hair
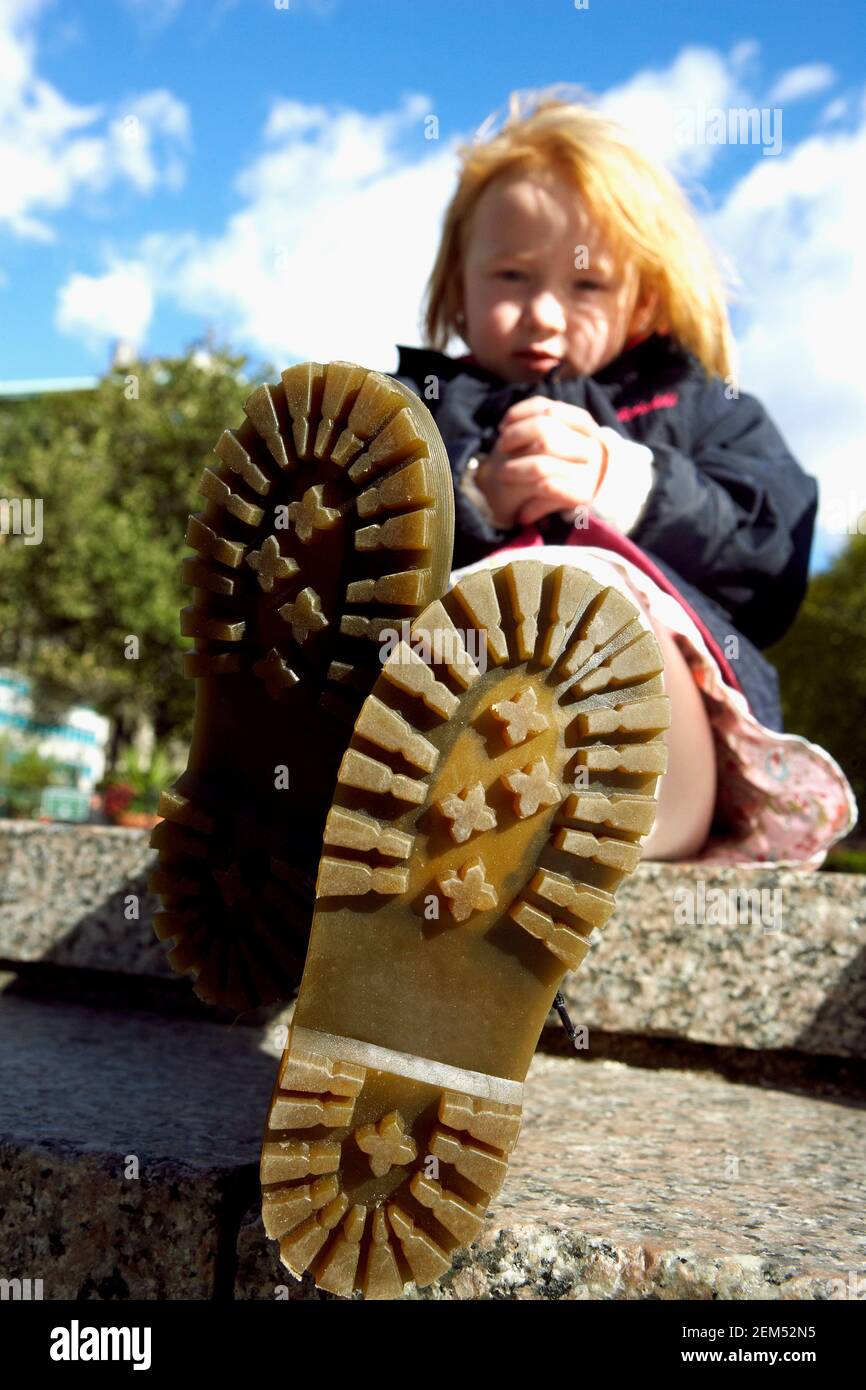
639	205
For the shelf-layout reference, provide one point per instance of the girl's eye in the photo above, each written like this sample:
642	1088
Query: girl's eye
514	274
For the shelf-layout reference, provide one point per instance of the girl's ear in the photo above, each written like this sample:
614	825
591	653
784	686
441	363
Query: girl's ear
645	311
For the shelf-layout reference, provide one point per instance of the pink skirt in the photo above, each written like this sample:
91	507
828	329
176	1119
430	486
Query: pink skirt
781	799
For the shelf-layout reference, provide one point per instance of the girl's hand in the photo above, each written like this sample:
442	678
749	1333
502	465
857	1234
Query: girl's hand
548	457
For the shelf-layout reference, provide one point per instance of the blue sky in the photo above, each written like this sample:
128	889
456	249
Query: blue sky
174	166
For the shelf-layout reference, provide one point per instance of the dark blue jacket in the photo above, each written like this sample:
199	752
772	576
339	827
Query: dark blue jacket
730	515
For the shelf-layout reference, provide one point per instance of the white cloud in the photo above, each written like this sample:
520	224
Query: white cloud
652	103
100	308
330	251
292	118
835	110
52	151
807	80
156	14
794	226
744	56
153	119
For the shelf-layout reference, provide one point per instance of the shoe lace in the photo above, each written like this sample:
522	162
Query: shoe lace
559	1005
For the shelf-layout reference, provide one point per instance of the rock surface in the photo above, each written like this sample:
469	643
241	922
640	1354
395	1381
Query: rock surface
653	1184
626	1182
65	897
791	974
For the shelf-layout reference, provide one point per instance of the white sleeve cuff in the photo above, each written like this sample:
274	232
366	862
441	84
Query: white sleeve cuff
628	481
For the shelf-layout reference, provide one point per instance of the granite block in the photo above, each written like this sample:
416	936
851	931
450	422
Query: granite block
626	1183
127	1143
633	1184
686	954
76	895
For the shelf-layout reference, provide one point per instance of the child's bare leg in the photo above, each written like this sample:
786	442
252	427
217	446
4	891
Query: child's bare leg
687	791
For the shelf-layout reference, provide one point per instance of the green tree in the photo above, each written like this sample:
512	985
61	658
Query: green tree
821	668
24	775
117	471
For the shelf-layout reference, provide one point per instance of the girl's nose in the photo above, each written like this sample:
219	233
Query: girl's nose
547	312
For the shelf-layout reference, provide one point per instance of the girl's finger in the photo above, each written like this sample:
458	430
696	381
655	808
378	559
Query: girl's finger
527	471
543	470
543	405
537	507
533	405
547	435
557	490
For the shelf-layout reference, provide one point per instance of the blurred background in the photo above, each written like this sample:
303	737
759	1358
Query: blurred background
197	193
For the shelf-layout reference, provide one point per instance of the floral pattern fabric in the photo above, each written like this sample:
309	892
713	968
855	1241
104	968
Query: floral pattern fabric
780	799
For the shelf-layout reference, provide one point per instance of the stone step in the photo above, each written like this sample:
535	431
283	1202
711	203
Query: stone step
626	1183
760	958
76	895
769	959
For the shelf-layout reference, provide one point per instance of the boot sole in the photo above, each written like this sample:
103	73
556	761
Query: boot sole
482	822
329	517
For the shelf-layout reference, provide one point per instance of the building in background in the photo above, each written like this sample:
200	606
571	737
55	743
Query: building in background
78	744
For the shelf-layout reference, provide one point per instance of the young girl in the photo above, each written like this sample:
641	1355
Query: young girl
596	413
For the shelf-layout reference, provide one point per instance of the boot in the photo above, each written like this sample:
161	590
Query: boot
329	519
492	798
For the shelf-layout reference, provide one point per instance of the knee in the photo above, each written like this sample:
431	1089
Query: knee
687	791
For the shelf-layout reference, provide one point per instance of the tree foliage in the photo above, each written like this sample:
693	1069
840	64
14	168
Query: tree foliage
117	471
821	668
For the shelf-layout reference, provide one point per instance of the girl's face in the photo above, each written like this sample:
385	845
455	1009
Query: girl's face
538	275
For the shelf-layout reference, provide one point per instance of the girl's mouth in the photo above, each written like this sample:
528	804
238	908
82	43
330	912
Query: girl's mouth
539	361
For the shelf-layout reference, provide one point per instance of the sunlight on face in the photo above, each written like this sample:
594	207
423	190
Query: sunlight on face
538	274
